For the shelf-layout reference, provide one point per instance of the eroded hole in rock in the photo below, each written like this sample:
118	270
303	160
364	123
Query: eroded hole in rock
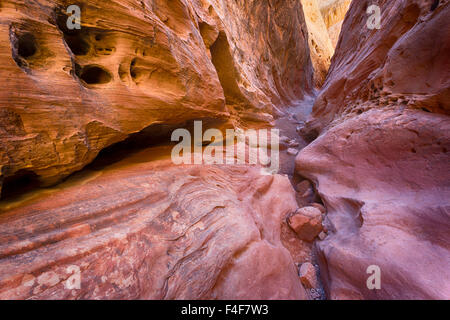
95	75
76	40
19	183
77	45
151	136
24	48
27	46
87	40
136	73
435	5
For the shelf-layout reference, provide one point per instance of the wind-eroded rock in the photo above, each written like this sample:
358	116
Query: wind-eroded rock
320	45
381	161
333	13
67	94
153	231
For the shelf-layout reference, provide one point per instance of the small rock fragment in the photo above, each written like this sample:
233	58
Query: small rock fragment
307	223
308	275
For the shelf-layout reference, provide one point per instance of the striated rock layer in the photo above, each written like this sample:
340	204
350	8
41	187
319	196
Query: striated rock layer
152	230
67	94
333	13
320	45
381	161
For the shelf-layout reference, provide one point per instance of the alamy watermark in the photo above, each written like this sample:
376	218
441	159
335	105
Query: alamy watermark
374	21
74	281
74	20
256	147
374	281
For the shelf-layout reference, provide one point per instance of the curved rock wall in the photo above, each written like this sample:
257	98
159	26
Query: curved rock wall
67	94
381	161
320	45
333	13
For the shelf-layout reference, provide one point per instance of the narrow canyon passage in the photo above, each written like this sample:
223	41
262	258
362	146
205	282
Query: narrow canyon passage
133	211
94	206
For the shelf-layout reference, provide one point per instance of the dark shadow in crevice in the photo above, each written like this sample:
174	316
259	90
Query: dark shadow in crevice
226	71
152	136
435	5
77	40
94	75
21	182
24	47
155	135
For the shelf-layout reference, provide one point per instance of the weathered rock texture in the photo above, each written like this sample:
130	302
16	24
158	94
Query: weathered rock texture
333	13
67	94
320	45
153	231
381	162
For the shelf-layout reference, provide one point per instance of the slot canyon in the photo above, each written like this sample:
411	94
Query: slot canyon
89	186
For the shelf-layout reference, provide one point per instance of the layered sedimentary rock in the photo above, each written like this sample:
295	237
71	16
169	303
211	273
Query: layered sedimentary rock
147	229
67	94
381	159
333	13
320	45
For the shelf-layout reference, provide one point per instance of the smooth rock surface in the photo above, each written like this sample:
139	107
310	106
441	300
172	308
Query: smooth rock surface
146	229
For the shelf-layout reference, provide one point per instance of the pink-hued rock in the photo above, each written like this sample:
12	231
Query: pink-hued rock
305	189
381	161
308	275
307	223
152	230
319	206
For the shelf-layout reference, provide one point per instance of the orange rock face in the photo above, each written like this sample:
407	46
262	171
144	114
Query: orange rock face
67	94
381	161
319	41
152	230
333	13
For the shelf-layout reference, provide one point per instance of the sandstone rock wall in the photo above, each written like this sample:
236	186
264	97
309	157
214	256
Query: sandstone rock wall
333	13
152	230
67	94
320	45
381	161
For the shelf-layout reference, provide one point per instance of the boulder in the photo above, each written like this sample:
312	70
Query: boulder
307	223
